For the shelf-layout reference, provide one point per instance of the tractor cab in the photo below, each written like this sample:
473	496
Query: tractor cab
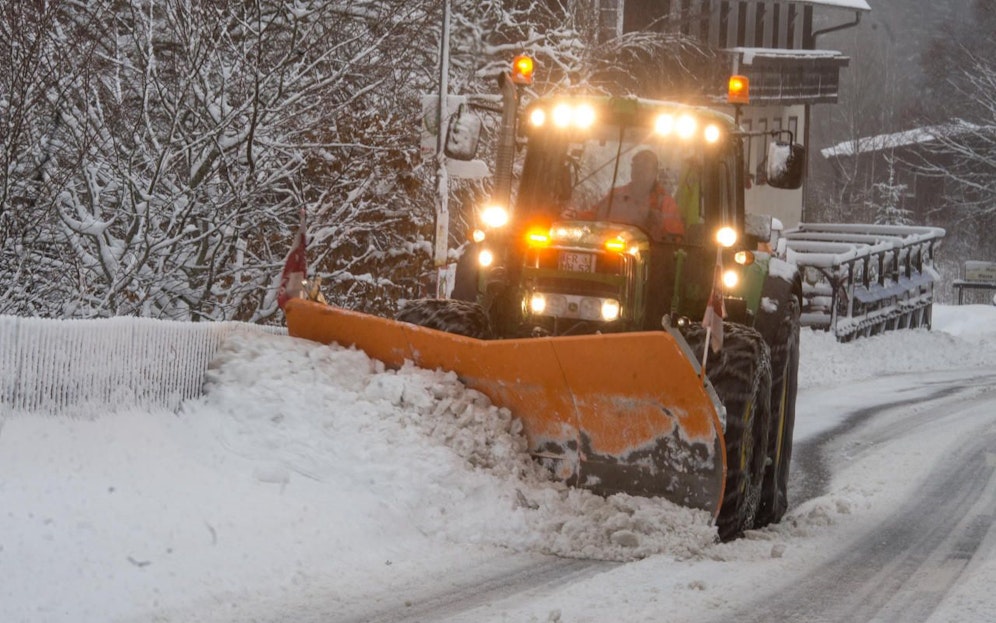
615	218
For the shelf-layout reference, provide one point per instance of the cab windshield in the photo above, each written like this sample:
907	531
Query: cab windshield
621	176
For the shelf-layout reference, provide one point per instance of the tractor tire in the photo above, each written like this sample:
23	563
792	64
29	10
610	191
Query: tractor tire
741	375
780	328
449	315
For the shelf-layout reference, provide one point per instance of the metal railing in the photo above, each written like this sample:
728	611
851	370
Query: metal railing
860	279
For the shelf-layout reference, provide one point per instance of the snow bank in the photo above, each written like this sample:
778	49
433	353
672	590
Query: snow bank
962	337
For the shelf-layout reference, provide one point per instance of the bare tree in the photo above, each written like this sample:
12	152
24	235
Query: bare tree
841	184
964	150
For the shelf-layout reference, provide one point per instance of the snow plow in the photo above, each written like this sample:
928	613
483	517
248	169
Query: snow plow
603	332
608	424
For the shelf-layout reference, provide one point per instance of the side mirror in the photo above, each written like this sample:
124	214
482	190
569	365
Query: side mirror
462	135
785	164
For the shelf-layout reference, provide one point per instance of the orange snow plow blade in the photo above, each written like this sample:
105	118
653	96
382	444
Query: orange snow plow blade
621	412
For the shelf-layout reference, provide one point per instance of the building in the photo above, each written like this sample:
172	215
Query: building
774	44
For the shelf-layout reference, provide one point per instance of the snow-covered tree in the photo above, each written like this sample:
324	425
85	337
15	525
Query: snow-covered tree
887	200
171	143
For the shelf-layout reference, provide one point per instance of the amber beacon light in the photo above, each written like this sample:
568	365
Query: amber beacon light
522	70
738	91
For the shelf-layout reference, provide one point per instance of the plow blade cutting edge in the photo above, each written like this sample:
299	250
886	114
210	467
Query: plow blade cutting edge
623	412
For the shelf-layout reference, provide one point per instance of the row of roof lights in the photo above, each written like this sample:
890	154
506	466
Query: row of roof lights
582	117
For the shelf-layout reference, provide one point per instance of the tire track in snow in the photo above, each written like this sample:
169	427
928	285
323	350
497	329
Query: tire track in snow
518	578
902	570
811	465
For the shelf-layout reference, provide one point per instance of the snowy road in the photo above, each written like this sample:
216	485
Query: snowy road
905	567
487	586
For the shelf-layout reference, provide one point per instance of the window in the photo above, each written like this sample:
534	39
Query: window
760	149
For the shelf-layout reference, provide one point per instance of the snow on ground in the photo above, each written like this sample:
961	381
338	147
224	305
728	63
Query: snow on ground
308	478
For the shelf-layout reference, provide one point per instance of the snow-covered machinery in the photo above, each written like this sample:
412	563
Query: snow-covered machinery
861	280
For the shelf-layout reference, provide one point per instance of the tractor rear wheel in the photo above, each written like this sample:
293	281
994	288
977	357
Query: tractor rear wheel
781	330
741	375
450	315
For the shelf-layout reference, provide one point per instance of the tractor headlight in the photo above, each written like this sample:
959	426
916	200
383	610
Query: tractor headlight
610	310
744	258
731	278
605	310
562	115
685	126
556	304
712	133
664	124
537	304
726	236
584	116
494	216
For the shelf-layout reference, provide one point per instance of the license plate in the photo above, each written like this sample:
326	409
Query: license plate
576	262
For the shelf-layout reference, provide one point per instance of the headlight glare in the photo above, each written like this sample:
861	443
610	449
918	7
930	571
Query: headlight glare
584	116
494	216
731	278
610	310
685	126
664	124
537	304
726	236
562	114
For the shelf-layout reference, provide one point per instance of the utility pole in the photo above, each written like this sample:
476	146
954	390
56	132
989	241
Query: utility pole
441	253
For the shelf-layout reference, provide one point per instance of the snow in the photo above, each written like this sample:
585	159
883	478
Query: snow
750	53
895	140
308	483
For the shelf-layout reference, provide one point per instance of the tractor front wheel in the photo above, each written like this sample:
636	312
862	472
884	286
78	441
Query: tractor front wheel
741	375
450	315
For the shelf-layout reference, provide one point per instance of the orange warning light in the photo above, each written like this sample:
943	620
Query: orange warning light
739	90
522	70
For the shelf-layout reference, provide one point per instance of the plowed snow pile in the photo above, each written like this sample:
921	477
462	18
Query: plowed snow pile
416	443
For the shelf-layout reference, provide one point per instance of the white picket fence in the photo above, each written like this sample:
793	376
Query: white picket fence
83	367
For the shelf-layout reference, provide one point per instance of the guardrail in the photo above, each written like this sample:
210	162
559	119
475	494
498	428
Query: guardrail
861	280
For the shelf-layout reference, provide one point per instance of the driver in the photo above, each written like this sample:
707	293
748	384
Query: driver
643	201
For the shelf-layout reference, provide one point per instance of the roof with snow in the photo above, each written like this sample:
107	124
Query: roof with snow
858	5
896	140
750	52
